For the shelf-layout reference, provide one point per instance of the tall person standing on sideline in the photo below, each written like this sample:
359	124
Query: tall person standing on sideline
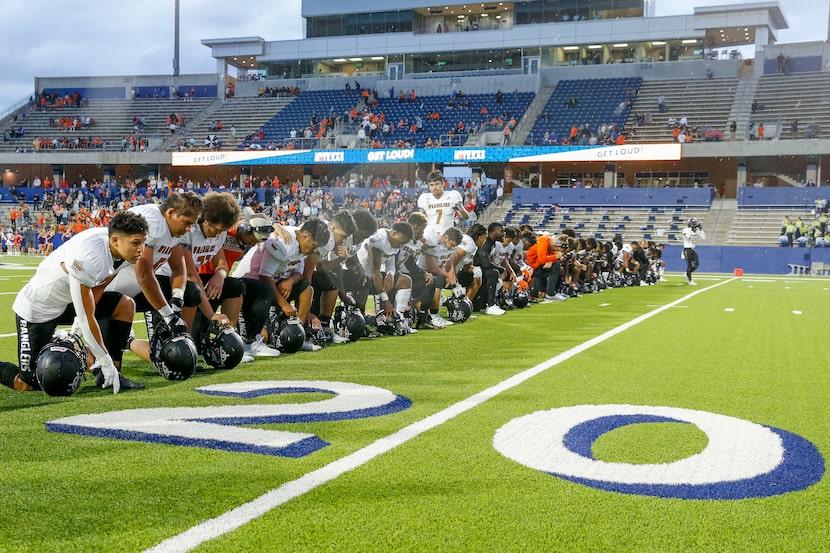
690	237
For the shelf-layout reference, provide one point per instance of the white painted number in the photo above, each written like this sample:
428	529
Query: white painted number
219	427
742	459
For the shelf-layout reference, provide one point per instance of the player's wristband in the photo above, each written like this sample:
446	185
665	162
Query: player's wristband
383	296
178	293
166	312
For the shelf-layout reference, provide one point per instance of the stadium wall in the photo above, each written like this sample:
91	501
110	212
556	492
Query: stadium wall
121	87
753	260
611	197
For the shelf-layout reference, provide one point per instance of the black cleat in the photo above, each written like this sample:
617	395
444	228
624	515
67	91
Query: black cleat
126	383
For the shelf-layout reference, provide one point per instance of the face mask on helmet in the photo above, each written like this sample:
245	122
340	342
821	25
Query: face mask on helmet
349	322
520	299
173	356
261	227
221	347
391	326
60	366
458	309
285	334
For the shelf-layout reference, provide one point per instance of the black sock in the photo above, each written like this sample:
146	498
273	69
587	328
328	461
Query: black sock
8	372
325	321
115	340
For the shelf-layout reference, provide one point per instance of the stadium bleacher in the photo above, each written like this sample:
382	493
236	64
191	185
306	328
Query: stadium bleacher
589	102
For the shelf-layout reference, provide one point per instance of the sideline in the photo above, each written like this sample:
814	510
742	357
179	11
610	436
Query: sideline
237	517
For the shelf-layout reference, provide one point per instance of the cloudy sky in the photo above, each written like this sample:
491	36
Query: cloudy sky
48	38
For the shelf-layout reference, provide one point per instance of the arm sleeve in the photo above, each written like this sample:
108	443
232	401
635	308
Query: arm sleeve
98	350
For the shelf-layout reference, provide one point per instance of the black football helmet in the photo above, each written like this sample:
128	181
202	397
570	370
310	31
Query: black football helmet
391	326
173	355
520	298
459	308
693	223
61	365
220	346
285	334
349	322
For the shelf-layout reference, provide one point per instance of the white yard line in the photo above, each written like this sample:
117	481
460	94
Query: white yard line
235	518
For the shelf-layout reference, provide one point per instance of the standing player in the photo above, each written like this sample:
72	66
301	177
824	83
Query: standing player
690	236
439	205
68	284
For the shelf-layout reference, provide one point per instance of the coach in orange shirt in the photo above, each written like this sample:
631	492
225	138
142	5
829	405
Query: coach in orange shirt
544	257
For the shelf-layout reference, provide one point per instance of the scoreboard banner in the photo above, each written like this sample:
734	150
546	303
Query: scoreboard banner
503	154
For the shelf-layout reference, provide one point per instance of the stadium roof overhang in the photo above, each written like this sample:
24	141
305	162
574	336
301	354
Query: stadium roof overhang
241	52
738	24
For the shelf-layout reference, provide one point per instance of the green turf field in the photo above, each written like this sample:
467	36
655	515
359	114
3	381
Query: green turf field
466	453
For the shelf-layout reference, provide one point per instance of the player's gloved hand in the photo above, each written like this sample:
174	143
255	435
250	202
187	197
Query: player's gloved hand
176	325
176	305
458	207
107	368
76	329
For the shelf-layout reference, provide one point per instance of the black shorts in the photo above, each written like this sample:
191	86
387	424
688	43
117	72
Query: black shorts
464	278
33	337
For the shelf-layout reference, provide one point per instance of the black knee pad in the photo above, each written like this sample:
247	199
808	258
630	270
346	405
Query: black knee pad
192	294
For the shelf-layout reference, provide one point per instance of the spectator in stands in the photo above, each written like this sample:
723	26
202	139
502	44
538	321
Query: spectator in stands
794	129
661	104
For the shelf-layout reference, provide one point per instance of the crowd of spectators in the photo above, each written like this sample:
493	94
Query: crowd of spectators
64	208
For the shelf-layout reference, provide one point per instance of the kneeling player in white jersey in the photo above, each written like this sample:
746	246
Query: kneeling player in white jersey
167	222
69	284
203	243
436	258
377	264
466	274
273	273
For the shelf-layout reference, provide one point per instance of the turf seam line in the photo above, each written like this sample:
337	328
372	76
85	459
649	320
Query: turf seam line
247	512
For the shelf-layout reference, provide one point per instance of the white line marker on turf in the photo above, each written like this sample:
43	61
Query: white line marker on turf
607	304
729	309
796	312
235	518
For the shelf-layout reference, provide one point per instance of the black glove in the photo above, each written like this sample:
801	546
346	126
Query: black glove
176	325
176	305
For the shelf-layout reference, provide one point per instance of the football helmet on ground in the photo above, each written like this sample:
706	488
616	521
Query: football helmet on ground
173	355
61	365
220	346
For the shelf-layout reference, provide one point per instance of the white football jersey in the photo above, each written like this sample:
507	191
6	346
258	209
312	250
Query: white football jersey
158	239
380	241
201	248
434	247
690	237
86	257
439	211
275	257
499	253
469	246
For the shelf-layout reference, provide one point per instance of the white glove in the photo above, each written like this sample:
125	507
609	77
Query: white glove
110	373
77	329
